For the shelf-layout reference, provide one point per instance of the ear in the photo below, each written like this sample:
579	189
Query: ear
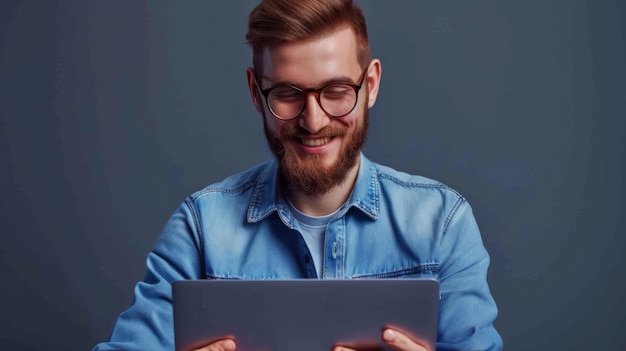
374	72
255	93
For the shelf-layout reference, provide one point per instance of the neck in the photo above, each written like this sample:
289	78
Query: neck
320	205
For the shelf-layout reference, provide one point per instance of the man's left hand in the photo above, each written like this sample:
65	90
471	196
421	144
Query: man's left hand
395	339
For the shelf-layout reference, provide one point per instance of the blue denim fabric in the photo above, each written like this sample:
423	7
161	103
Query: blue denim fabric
394	225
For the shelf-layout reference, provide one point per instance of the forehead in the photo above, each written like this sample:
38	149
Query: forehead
310	62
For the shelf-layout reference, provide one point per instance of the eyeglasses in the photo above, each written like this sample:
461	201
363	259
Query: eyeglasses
336	99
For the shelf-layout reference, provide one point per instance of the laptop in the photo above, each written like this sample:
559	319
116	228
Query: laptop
303	315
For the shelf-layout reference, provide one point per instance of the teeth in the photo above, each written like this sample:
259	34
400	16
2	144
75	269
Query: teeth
314	142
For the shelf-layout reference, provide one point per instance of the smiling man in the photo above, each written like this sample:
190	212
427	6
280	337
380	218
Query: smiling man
321	209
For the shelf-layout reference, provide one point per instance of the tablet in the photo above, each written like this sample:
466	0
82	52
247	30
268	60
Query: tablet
303	315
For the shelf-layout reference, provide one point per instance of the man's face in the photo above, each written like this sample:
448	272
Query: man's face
316	151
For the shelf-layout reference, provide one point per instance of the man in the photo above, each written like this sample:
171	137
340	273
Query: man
321	209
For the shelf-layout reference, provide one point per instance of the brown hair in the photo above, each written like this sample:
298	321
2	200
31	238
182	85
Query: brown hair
275	22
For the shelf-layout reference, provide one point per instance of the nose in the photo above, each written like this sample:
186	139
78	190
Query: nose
313	118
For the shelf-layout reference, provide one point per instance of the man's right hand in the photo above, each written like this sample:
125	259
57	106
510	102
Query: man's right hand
220	345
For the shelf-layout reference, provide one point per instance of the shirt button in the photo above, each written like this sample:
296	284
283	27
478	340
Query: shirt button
307	258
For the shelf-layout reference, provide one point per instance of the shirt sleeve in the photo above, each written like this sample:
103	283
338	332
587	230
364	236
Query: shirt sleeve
148	322
467	310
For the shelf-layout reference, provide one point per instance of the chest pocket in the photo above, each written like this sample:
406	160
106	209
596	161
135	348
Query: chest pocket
426	270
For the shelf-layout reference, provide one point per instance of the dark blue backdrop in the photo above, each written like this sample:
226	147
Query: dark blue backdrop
111	112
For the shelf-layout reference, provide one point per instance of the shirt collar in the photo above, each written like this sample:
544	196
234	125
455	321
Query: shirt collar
267	196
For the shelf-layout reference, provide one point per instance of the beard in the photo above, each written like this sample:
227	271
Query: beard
309	175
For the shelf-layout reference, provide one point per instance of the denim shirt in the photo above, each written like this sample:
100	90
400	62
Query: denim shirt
394	225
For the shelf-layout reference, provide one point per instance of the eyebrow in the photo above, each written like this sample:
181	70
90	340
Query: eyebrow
340	79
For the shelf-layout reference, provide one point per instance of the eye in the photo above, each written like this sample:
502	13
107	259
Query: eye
286	94
337	91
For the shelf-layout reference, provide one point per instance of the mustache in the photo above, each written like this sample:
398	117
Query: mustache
295	131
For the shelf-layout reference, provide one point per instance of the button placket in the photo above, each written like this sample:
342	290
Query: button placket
334	250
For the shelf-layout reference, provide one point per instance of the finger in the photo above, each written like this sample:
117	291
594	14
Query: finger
222	345
342	348
401	342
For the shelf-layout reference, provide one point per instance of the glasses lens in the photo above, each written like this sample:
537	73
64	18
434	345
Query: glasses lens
338	99
286	102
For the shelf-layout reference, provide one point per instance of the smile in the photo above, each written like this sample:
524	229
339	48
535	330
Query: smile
314	142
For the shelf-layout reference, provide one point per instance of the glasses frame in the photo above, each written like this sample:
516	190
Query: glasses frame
318	94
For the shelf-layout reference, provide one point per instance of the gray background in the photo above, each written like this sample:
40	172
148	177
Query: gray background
111	112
